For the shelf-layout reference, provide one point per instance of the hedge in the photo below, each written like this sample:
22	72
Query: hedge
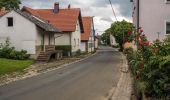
65	48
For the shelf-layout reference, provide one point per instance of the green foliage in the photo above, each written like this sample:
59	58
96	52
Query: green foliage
65	48
9	52
10	4
120	31
105	37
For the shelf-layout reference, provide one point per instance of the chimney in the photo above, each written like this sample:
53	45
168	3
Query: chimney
69	6
56	7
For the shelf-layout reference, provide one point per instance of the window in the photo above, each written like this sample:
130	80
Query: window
167	27
10	21
167	1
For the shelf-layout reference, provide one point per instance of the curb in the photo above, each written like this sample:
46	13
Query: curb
64	65
123	89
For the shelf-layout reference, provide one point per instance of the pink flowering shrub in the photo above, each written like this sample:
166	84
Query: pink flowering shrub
150	65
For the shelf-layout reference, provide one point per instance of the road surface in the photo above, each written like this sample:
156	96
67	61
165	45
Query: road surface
90	79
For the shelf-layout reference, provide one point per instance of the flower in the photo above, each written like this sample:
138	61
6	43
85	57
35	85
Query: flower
138	30
129	33
141	31
146	43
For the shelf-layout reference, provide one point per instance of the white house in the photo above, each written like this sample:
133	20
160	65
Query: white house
26	32
112	40
153	16
68	20
87	37
96	42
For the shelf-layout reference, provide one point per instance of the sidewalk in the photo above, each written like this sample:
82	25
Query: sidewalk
124	87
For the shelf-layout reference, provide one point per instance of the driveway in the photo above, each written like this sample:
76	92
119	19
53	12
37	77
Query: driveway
90	79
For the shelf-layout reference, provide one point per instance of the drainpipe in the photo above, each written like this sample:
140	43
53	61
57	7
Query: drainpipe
138	6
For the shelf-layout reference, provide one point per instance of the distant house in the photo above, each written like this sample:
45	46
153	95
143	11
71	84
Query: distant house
112	40
96	42
67	20
87	37
27	32
153	16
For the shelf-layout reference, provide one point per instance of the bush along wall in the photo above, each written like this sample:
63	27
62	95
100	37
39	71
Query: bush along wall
6	51
150	66
65	48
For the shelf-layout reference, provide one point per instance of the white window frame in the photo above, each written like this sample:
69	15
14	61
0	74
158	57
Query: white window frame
165	27
166	1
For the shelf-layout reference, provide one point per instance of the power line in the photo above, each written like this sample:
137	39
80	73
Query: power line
113	10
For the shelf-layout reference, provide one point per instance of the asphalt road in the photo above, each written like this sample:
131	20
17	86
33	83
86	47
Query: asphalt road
90	79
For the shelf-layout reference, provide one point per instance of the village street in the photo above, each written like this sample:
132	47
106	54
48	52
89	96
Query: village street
90	79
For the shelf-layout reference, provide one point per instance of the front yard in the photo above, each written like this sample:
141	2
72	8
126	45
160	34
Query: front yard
8	66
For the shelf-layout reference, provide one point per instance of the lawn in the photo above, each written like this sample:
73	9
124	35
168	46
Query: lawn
8	66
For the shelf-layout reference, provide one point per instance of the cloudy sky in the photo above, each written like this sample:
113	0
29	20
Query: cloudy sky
101	9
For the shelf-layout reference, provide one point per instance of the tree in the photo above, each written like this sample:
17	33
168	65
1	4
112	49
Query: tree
106	37
120	31
10	4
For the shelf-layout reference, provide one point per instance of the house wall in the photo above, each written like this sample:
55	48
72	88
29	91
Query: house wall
153	15
22	35
89	46
83	47
134	12
76	38
62	38
112	40
39	37
91	43
96	43
69	38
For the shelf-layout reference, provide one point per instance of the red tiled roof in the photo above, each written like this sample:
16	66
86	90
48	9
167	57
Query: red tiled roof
2	13
65	20
87	21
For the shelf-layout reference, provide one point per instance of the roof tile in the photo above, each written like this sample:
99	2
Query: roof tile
87	23
65	20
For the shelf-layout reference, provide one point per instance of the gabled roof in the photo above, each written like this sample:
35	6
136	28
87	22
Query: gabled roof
37	21
65	20
87	24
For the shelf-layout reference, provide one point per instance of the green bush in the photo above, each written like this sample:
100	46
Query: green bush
65	48
10	53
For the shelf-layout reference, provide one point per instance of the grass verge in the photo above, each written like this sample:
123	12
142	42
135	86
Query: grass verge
8	66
